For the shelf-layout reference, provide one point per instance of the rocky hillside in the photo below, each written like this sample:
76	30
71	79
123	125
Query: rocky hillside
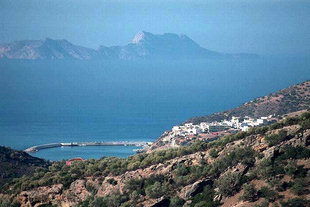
14	164
144	45
266	166
294	98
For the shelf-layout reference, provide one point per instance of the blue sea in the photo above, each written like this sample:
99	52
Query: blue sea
66	101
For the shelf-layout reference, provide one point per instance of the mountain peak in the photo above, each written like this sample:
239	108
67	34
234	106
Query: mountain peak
140	36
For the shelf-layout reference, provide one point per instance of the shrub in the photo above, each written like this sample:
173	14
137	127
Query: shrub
291	168
112	181
156	190
299	186
213	153
275	139
229	183
299	152
250	193
245	156
290	121
182	170
176	202
268	193
296	202
113	200
134	185
305	124
6	201
262	204
204	198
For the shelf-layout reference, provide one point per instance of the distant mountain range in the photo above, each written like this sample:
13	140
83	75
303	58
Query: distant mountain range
144	45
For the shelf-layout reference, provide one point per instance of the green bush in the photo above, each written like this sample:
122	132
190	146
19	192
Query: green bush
305	124
91	188
213	153
299	186
291	168
245	156
275	139
229	183
299	152
112	181
114	200
268	193
6	201
296	202
204	198
176	202
156	190
249	193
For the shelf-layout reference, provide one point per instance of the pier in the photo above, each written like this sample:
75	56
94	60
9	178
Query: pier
82	144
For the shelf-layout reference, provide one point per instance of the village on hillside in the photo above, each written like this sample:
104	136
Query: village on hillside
181	135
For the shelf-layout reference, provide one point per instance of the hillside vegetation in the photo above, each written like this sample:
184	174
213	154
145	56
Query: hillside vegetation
14	164
266	166
294	98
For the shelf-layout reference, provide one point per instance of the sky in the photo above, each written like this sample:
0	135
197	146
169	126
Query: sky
255	26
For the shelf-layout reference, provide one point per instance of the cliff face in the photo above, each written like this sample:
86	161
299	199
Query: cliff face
294	98
269	164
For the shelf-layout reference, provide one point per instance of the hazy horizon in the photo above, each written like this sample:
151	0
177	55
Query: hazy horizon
263	27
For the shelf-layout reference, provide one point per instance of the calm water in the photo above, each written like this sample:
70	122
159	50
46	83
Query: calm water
65	101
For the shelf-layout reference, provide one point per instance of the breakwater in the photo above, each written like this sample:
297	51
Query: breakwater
83	144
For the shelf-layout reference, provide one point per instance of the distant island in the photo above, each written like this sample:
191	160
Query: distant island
144	45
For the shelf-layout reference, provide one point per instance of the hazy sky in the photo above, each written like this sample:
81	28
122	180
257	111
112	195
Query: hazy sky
259	26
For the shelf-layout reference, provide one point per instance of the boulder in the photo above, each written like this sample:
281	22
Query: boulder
195	188
271	152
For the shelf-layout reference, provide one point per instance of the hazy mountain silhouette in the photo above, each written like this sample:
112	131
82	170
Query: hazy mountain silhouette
143	46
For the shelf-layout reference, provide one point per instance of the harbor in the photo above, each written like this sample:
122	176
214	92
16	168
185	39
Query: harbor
85	144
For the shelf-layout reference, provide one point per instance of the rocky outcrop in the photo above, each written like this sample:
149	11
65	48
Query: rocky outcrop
41	196
191	190
77	192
